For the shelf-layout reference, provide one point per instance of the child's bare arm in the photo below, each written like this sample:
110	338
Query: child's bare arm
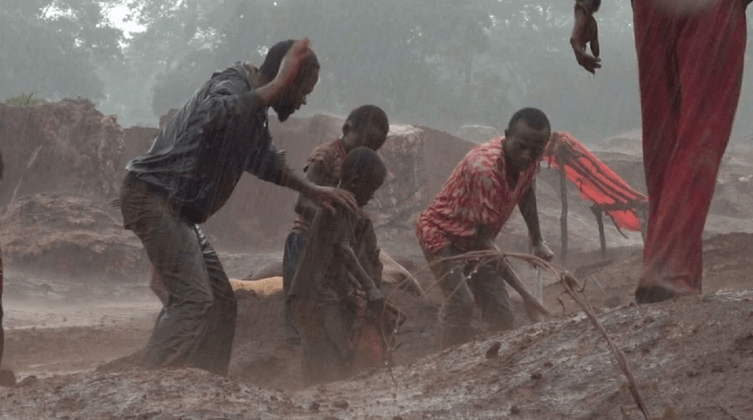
351	263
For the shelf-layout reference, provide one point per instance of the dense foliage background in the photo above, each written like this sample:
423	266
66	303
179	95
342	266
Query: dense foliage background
440	63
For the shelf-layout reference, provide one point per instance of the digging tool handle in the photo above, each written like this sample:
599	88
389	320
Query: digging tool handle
512	278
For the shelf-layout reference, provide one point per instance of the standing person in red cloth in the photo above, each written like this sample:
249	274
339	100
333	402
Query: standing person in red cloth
468	214
690	65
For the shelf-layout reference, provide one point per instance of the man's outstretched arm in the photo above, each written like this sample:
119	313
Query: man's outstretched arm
322	196
579	38
303	205
527	206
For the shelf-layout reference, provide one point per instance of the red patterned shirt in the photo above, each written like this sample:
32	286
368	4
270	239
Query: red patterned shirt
477	193
331	156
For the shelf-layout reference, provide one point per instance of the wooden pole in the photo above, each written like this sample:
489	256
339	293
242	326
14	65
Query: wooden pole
563	215
600	222
534	309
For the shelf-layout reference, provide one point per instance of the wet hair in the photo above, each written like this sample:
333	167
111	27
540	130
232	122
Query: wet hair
534	117
272	61
364	164
366	115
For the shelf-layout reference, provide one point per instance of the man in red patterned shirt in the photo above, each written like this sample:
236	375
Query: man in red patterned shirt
468	214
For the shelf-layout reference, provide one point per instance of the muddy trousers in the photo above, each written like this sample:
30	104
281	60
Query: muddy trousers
690	71
325	329
462	283
291	259
197	324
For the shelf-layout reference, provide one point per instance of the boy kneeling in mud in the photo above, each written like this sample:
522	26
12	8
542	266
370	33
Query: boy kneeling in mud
322	291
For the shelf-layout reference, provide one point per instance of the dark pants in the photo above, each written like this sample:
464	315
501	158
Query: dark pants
197	324
463	282
291	259
325	330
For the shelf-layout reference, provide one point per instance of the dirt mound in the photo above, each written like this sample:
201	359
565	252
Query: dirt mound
137	140
262	357
66	146
691	357
477	133
68	236
612	281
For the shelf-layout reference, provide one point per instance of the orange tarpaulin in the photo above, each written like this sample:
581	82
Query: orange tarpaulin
595	180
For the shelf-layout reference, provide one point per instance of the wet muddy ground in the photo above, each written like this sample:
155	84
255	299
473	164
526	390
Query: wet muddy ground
692	358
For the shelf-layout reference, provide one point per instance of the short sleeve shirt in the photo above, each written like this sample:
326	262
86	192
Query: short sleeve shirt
331	156
198	157
477	193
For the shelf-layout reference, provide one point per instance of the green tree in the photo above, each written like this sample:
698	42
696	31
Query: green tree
49	47
413	60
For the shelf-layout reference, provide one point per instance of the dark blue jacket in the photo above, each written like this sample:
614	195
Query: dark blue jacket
198	157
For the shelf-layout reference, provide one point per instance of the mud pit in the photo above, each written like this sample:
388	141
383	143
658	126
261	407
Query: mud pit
66	315
693	357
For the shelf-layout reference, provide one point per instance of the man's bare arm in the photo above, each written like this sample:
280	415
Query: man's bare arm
580	37
287	73
316	174
323	196
527	206
595	38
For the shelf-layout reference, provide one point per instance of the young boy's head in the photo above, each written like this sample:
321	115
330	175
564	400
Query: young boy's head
366	126
362	173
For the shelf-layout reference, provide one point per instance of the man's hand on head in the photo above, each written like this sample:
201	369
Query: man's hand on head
291	63
286	75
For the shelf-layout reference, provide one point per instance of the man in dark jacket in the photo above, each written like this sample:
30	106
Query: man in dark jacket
189	173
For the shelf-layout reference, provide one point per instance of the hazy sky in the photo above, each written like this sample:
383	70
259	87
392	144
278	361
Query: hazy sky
117	16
